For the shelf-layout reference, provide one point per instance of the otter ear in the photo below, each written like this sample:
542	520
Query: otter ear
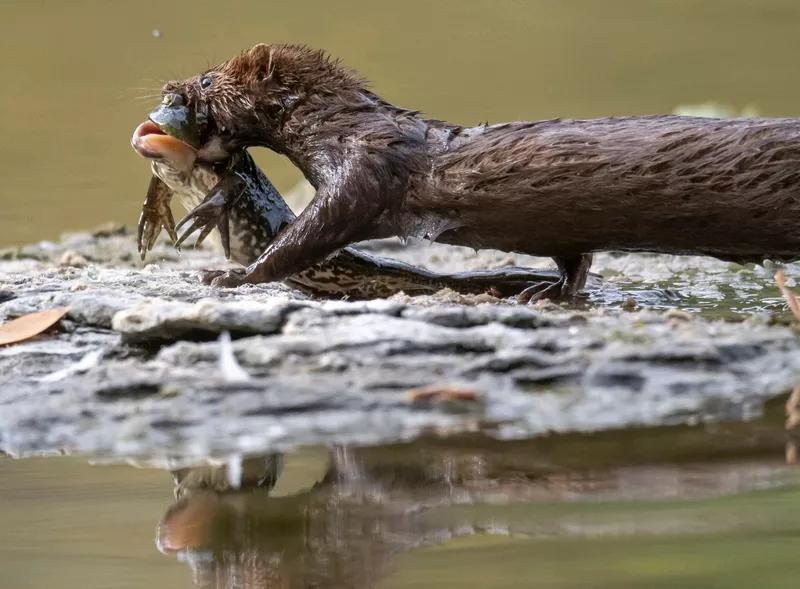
258	49
261	62
267	71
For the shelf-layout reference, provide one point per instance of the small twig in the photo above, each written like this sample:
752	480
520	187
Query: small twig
790	297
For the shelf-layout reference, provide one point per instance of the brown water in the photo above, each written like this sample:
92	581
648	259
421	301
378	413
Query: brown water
705	507
78	76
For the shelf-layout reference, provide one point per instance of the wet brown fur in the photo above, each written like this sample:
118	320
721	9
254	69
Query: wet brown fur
561	188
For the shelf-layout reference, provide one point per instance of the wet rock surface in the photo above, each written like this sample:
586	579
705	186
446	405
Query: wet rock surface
139	367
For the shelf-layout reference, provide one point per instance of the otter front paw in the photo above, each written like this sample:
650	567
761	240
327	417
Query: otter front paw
223	278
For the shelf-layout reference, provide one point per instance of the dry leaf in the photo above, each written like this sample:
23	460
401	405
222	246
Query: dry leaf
791	300
441	393
31	325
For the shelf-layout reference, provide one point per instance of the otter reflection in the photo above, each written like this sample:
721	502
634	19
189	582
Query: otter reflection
235	527
341	532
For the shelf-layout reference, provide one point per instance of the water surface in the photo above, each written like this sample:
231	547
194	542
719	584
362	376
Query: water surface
711	506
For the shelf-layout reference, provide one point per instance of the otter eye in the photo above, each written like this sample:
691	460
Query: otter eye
205	82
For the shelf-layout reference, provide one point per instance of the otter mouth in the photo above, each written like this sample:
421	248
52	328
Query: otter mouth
151	142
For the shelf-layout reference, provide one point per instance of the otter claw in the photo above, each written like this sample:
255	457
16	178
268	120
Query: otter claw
208	276
541	291
223	278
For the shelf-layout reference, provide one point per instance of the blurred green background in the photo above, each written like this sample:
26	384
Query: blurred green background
78	76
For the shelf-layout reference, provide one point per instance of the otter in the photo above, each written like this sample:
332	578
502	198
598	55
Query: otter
237	199
728	188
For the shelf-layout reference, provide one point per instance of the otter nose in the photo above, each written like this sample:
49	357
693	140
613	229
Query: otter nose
172	99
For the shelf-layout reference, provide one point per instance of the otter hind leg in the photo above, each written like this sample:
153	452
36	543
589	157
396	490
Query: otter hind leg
574	270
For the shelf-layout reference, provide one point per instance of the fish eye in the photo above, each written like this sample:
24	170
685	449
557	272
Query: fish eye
172	99
205	82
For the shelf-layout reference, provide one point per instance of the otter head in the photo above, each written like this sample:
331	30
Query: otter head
247	101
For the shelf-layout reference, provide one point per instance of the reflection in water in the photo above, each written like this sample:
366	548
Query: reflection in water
369	506
342	532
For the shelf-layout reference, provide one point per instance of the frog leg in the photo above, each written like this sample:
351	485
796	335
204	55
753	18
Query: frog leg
214	212
155	214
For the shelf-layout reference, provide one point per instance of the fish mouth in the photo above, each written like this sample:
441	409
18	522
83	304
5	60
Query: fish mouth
151	142
179	135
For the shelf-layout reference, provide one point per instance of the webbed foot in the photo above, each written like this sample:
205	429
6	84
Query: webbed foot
212	213
155	215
